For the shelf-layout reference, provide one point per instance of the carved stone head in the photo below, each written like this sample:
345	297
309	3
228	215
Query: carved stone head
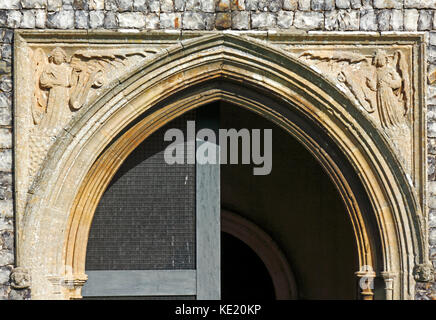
423	272
58	56
380	58
20	278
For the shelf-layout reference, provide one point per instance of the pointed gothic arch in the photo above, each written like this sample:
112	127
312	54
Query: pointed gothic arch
382	204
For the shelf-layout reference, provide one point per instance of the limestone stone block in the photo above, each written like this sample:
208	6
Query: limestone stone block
308	20
63	19
131	20
285	19
240	20
263	20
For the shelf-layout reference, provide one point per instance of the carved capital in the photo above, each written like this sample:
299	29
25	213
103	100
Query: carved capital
20	278
423	272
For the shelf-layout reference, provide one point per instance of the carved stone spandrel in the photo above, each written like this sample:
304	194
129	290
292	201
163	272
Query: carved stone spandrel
378	81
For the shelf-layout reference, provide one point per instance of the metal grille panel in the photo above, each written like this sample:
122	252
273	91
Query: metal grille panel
146	218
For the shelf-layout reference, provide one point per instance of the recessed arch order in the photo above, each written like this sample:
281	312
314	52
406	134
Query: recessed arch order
382	205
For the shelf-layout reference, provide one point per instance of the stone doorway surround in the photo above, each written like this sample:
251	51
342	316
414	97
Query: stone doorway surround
92	97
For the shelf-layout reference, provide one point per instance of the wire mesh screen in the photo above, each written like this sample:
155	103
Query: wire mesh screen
146	217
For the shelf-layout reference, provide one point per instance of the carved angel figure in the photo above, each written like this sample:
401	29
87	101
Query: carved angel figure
379	82
56	77
388	84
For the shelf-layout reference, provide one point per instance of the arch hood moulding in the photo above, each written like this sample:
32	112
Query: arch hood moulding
61	78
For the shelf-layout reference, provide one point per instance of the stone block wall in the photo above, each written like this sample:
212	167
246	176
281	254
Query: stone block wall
296	15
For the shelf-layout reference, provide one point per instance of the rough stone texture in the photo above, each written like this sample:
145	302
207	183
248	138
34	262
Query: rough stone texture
285	19
329	15
61	20
368	20
131	20
388	4
411	19
240	20
342	20
263	20
96	19
290	4
308	20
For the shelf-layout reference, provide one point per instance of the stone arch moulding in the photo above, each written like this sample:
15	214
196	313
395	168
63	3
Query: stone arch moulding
285	286
96	96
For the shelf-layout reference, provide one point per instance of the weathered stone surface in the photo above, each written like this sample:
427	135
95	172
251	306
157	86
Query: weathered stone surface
81	4
356	4
7	240
40	18
19	294
304	5
14	18
194	5
152	21
167	6
397	20
425	20
119	5
431	146
96	19
5	138
384	20
81	20
420	4
153	5
285	19
6	257
5	185
234	5
222	5
432	219
5	272
411	20
223	20
131	20
110	20
198	21
263	20
97	4
208	6
240	20
6	160
54	5
33	4
343	4
61	20
342	20
290	4
368	20
432	237
308	20
28	21
6	51
318	5
140	5
170	20
388	4
9	4
431	122
269	5
251	5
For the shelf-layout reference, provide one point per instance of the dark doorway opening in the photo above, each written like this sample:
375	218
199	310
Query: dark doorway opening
243	274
